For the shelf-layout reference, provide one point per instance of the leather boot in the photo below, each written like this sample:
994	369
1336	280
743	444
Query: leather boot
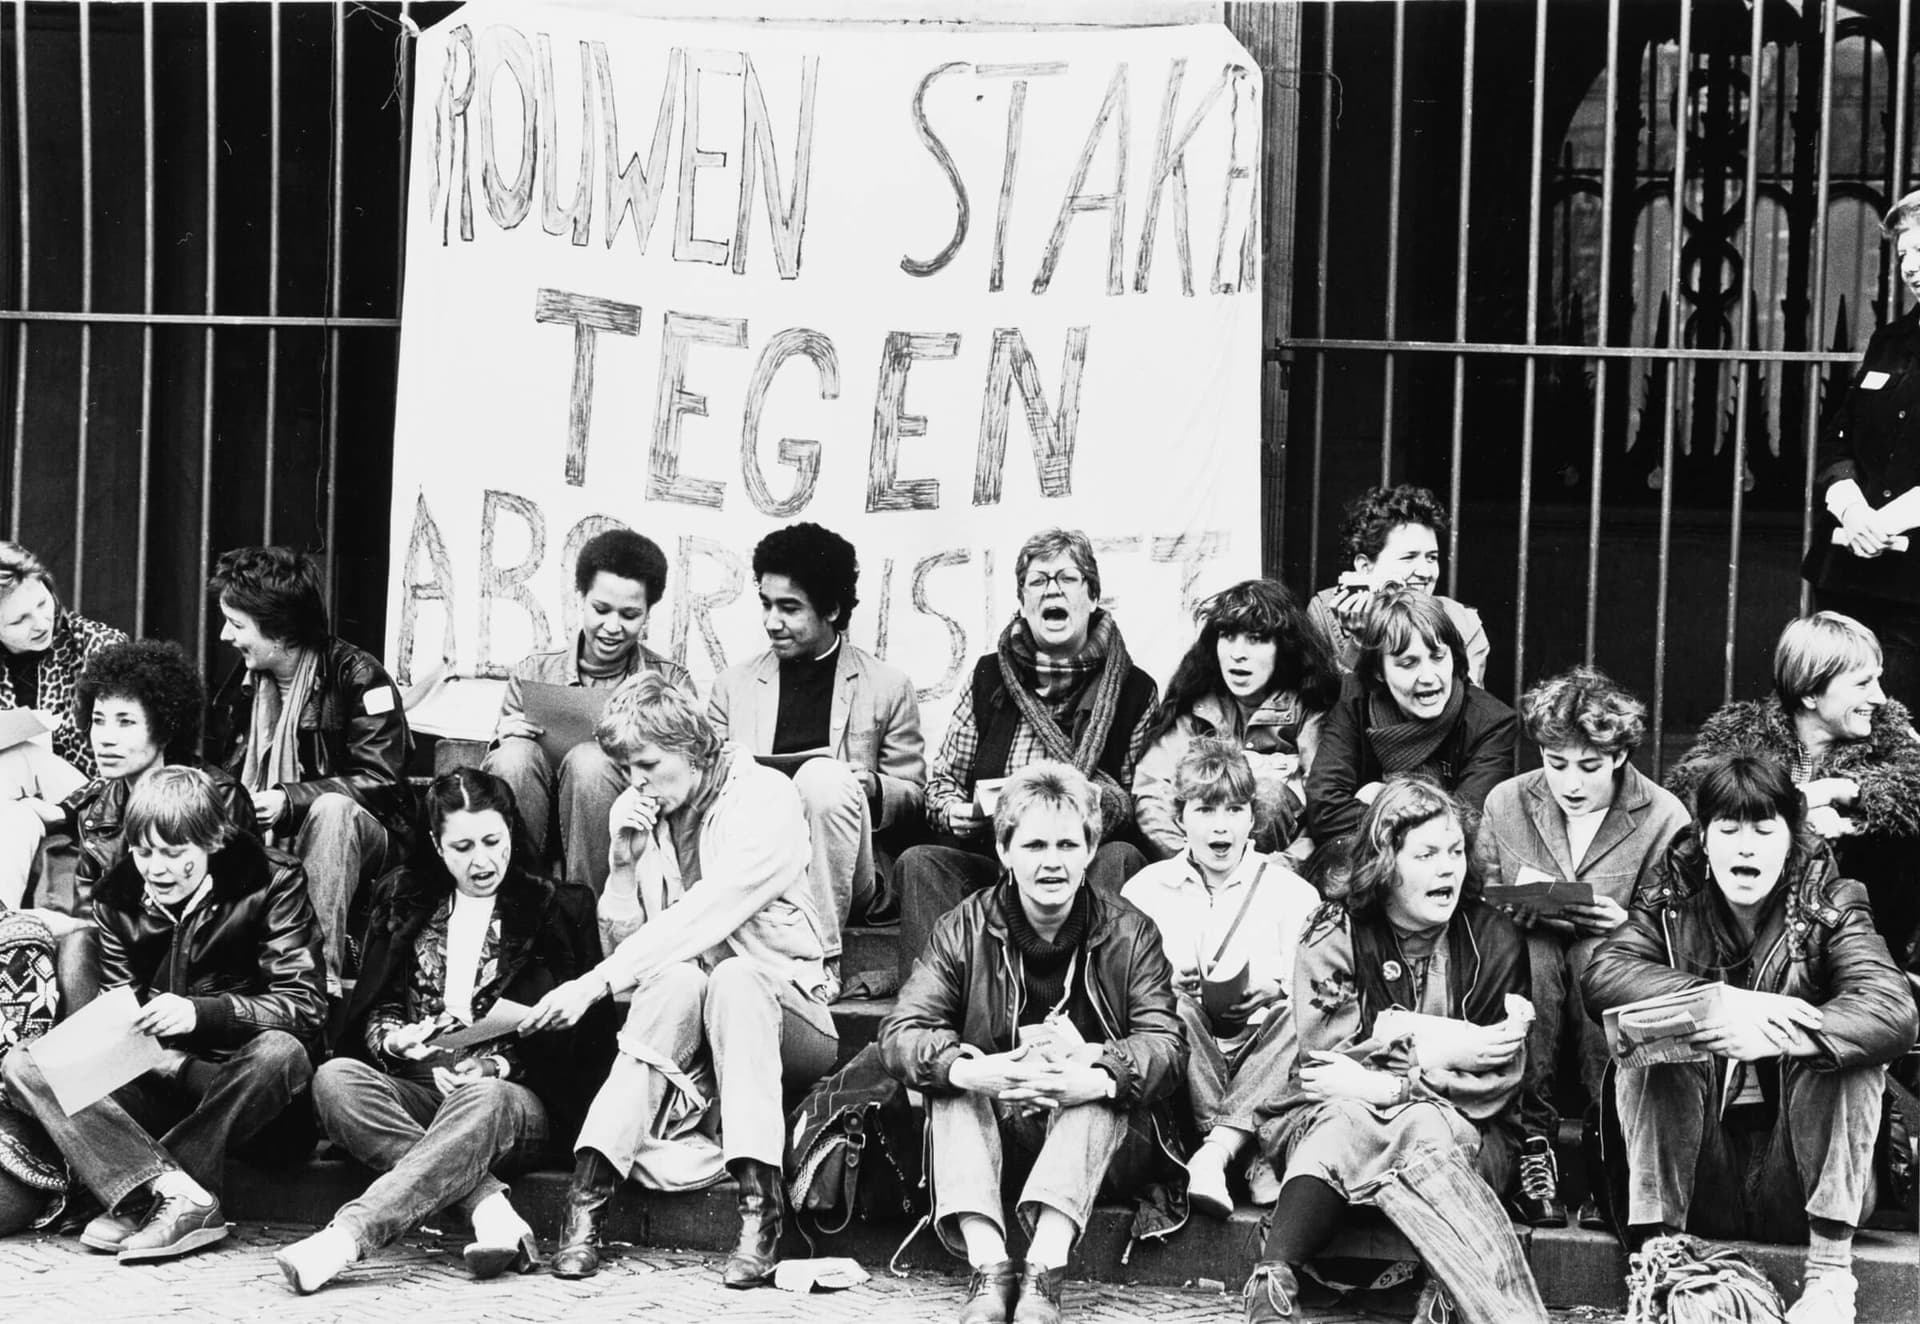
753	1260
588	1195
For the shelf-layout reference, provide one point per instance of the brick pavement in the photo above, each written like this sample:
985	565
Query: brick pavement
56	1281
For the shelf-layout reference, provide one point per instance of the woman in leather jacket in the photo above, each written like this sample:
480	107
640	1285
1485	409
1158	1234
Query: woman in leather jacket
1041	1017
1776	1120
215	935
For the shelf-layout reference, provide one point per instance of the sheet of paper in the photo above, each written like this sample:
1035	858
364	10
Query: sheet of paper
502	1019
986	795
565	715
19	725
96	1050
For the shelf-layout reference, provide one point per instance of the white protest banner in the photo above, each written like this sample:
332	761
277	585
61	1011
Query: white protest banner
935	288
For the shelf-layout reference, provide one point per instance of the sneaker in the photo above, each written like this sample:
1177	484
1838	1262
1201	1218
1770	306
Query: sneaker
1590	1216
1207	1188
175	1226
1826	1299
1272	1293
1537	1202
1263	1183
108	1230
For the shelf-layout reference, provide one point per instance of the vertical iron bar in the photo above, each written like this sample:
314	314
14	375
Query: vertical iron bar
334	254
1320	299
1818	340
405	117
146	332
273	269
1603	329
1676	325
1458	444
17	481
1395	135
1535	205
86	306
206	367
1741	392
1897	176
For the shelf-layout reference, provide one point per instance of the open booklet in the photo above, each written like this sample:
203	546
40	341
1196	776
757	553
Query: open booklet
1655	1030
1540	893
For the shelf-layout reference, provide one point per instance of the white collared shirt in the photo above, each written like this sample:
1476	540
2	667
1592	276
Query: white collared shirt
1193	920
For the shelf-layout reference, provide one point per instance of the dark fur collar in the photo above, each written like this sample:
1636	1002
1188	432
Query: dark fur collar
240	868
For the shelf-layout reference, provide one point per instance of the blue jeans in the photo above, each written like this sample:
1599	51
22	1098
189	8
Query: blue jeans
206	1106
432	1150
343	847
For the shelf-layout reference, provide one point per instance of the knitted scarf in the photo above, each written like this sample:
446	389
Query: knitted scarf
272	756
1043	687
1405	744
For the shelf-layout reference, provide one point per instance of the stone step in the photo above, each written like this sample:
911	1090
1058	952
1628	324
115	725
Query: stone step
1573	1267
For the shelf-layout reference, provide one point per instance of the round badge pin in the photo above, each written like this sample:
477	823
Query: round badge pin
1391	970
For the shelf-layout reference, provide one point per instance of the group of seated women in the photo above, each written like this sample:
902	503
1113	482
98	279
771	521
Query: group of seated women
1199	942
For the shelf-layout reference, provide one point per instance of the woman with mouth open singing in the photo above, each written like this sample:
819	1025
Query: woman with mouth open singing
1415	1115
1408	707
1773	1126
1849	748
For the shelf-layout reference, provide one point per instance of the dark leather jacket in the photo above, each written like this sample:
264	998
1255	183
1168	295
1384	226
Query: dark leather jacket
247	957
541	945
1817	942
353	740
964	989
94	815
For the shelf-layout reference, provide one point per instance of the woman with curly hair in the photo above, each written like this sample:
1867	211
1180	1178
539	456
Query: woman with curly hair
1849	748
43	648
1259	675
1392	535
1585	815
1412	1115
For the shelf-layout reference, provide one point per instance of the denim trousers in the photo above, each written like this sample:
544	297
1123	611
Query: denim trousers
761	1033
1227	1090
1816	1161
205	1106
1557	962
431	1150
931	880
1073	1153
344	848
581	792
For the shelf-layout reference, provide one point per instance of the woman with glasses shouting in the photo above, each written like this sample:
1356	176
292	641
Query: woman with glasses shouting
1059	686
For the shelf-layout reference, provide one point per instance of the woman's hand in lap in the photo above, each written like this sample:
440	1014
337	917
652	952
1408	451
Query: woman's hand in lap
464	1072
1337	1076
166	1015
410	1041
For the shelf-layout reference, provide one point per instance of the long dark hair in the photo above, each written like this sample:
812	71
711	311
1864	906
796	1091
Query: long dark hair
1303	661
474	790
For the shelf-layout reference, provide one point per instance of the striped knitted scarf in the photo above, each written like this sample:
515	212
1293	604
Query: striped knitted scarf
1021	670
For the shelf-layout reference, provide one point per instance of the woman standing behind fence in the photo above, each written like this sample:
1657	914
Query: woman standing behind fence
1868	482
